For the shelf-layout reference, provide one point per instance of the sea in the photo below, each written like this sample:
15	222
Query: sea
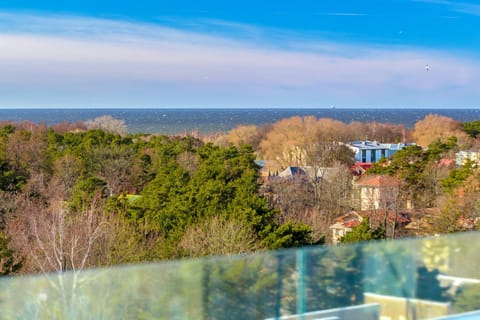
211	120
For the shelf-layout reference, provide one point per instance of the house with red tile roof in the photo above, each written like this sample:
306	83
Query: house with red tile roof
389	219
345	224
378	192
360	168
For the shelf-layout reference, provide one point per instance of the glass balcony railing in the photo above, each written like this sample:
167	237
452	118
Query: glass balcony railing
427	278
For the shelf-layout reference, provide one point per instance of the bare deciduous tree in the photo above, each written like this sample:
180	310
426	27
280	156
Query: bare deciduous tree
218	236
314	199
109	124
435	127
244	134
289	141
116	166
384	132
285	140
189	161
25	150
54	239
66	171
335	195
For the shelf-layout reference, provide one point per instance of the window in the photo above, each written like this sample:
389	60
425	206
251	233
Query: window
364	155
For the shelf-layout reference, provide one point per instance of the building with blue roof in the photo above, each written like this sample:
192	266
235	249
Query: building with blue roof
373	151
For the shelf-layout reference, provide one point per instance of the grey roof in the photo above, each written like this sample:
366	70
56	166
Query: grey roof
291	171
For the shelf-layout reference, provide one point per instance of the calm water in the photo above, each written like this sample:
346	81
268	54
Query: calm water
171	121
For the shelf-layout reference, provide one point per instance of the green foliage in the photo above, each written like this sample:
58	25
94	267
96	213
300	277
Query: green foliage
332	278
6	130
9	263
437	148
472	128
179	183
85	191
239	289
223	184
467	298
163	206
407	163
289	235
79	144
410	162
363	232
382	167
10	180
418	170
457	176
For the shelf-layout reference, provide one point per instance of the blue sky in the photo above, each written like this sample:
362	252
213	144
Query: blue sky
305	53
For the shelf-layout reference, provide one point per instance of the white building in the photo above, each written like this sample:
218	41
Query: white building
464	155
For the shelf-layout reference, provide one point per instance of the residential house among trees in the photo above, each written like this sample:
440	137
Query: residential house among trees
467	155
344	224
378	192
388	220
373	151
308	172
292	171
268	168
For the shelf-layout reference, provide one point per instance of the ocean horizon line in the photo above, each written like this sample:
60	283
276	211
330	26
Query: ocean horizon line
238	108
209	120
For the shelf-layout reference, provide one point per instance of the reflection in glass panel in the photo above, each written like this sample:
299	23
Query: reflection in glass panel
424	278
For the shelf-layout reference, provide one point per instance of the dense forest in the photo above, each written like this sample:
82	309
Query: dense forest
81	195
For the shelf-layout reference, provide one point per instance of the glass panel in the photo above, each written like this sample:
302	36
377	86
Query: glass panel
424	278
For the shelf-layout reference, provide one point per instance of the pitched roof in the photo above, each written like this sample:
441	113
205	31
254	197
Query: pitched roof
326	173
348	220
378	181
359	168
353	218
377	216
363	165
291	171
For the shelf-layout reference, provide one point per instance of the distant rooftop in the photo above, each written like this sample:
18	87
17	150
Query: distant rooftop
377	145
378	181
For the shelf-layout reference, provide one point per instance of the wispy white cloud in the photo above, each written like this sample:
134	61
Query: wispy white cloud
456	6
58	59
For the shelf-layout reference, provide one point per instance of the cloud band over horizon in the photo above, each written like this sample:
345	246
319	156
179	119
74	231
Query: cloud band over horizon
62	61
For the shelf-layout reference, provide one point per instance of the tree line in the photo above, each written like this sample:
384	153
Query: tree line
79	195
425	179
73	198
